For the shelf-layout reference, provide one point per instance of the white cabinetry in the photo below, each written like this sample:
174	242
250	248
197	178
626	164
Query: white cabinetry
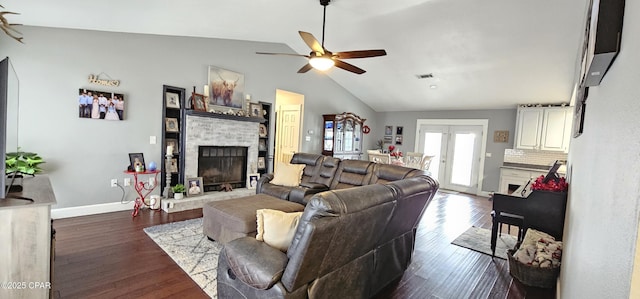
512	179
544	128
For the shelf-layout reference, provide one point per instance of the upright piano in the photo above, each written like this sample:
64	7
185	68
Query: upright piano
541	210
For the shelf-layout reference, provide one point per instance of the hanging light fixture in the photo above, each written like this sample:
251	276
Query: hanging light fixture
321	63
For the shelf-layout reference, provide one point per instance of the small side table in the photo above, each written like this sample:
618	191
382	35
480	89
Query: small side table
143	189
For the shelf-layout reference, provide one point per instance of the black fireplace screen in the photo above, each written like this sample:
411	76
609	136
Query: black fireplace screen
218	165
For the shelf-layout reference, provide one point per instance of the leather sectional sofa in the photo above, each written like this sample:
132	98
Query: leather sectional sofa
355	236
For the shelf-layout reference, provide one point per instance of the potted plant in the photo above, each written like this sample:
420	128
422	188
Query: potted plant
178	191
19	164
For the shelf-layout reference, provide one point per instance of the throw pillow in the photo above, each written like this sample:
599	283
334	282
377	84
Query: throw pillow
276	228
288	174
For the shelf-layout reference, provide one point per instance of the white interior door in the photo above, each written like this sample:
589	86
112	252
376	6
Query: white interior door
457	150
287	132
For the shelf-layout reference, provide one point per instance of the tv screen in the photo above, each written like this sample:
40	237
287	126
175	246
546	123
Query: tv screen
8	117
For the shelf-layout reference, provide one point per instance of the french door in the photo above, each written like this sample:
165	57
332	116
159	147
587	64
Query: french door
457	152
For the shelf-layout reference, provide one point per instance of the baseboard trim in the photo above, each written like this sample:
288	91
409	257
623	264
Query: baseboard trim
485	193
90	210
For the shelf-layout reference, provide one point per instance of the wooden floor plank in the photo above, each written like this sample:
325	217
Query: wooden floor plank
109	256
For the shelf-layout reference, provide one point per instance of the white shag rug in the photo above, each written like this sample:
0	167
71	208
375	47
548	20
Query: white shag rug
185	243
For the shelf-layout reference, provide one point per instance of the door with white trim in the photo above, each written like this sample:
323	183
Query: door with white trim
457	150
287	132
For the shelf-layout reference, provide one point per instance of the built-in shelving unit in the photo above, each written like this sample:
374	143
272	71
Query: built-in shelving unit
265	141
172	135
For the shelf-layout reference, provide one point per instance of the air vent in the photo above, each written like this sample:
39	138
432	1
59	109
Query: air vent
425	76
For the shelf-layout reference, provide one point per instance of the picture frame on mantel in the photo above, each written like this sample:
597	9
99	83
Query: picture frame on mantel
226	90
198	102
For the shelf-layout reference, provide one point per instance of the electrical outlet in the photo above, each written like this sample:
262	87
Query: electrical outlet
114	182
127	181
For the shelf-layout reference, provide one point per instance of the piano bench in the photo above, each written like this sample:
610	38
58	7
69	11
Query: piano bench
510	219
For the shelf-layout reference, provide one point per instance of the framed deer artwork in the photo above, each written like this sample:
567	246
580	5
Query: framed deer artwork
226	90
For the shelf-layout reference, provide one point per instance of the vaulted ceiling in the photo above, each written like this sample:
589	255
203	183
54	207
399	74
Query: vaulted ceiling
490	54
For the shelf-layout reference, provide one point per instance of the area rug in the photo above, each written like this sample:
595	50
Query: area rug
479	239
185	243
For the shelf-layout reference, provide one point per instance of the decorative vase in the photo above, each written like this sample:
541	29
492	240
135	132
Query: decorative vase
152	166
178	195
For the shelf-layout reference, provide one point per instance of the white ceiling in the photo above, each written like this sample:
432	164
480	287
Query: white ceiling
489	54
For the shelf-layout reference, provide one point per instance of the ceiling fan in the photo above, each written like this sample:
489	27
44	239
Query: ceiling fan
322	59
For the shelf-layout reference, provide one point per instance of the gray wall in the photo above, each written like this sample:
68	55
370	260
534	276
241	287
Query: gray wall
603	210
498	120
83	154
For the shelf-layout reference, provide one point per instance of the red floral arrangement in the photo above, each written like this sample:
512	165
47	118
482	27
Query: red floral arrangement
393	153
556	185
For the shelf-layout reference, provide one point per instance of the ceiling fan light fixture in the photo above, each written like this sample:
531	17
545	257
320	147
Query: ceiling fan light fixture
321	63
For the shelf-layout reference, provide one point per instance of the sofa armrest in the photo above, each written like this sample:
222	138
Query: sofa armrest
264	179
298	194
255	263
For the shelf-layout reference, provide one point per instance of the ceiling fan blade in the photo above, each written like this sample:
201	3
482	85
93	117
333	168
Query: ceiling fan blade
287	54
360	54
312	42
305	68
349	67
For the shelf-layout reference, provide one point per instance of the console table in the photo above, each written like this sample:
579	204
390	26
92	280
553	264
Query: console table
143	189
25	241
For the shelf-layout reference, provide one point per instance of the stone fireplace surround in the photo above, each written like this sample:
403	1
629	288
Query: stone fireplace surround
207	131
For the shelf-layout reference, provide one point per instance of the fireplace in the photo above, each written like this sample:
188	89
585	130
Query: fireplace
222	164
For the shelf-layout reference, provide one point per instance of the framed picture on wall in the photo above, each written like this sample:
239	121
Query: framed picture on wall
388	130
96	104
399	130
261	163
226	89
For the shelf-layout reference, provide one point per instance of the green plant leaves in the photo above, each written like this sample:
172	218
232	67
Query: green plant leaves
23	162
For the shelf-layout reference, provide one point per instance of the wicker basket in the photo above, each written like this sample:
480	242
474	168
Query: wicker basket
530	275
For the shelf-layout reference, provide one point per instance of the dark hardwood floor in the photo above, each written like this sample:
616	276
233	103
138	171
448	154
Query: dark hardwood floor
110	256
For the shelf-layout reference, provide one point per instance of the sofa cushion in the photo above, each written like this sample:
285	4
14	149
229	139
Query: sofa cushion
288	174
352	173
312	161
255	263
276	228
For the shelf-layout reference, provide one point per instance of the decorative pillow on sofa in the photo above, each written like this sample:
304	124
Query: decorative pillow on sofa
288	174
276	228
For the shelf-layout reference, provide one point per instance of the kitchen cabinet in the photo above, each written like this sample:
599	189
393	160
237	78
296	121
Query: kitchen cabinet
513	178
544	128
342	136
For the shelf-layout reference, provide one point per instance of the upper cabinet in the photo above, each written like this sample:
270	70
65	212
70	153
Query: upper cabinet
544	128
342	136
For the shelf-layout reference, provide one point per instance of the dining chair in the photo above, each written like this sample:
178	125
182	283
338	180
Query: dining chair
413	160
426	162
380	158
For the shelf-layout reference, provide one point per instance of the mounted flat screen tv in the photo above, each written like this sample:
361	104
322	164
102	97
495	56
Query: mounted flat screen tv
8	118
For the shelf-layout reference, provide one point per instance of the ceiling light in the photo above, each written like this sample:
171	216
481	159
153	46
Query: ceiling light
433	86
321	63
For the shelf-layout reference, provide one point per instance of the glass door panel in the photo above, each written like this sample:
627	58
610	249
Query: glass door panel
348	136
328	135
462	159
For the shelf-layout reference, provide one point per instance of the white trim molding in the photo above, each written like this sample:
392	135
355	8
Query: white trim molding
461	122
90	210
